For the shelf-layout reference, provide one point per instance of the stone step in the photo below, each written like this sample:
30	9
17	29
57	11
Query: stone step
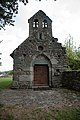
41	88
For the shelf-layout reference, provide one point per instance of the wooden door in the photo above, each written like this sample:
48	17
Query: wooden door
41	75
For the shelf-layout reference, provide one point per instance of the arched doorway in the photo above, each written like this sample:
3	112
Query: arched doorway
41	71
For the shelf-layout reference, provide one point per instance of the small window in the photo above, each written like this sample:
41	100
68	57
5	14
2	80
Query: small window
40	36
35	23
44	24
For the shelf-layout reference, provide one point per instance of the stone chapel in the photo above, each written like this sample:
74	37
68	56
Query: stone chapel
40	60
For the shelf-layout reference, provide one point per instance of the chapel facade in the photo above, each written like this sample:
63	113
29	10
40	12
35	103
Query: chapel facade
40	60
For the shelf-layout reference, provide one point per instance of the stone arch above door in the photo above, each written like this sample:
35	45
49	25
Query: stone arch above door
41	59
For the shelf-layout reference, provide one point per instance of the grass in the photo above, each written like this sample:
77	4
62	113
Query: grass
5	82
48	113
69	114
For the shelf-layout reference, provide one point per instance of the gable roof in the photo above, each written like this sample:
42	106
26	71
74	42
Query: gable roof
40	13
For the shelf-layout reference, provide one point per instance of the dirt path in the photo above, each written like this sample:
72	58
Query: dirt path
30	98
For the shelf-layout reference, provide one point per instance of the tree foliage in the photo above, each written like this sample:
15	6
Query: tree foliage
8	10
73	54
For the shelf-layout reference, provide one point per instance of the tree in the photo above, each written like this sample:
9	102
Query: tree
73	55
8	10
78	53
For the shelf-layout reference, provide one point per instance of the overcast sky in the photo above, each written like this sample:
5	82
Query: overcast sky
65	15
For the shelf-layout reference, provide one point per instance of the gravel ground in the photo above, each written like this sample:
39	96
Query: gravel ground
40	98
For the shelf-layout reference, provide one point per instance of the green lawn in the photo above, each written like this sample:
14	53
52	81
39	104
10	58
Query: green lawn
5	82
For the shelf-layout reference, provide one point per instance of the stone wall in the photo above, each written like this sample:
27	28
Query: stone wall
71	79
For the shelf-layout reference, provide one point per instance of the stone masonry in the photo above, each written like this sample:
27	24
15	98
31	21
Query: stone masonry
71	80
40	51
